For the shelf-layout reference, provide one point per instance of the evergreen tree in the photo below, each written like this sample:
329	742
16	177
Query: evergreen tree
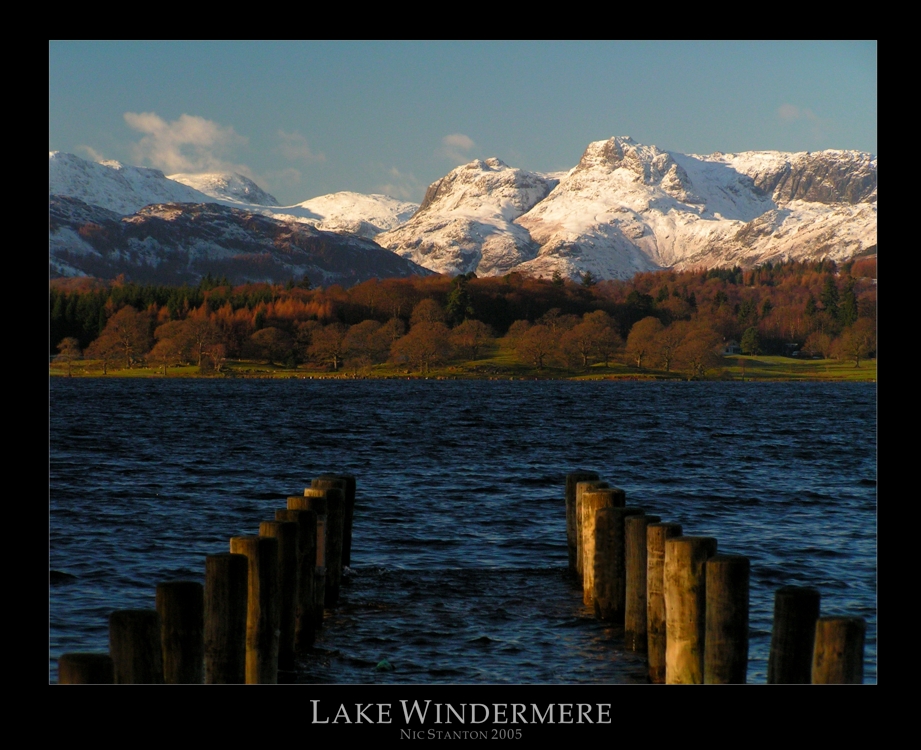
830	297
847	306
751	341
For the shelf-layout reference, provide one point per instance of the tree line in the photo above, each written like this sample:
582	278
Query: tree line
665	319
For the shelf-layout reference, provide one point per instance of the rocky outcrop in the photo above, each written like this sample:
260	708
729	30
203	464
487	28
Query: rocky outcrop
466	220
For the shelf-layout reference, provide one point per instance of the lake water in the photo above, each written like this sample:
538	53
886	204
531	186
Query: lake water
459	546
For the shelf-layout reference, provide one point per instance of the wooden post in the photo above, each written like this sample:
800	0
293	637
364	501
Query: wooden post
286	534
226	595
78	668
348	489
335	499
610	563
838	657
685	607
581	489
305	613
593	501
571	480
726	644
262	611
134	644
796	609
318	505
635	637
182	631
656	534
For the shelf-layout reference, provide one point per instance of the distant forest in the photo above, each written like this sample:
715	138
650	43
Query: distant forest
665	319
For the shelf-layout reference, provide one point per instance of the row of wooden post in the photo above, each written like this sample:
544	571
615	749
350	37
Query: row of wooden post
687	606
262	603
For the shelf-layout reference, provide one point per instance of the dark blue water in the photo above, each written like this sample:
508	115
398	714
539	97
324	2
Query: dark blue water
459	547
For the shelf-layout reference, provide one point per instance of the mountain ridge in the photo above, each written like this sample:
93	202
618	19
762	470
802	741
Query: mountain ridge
625	207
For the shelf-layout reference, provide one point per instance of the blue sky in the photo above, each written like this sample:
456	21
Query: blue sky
308	118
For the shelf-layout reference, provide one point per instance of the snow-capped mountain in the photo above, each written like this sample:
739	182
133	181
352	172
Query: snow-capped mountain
227	186
179	243
353	213
108	218
113	185
467	220
625	207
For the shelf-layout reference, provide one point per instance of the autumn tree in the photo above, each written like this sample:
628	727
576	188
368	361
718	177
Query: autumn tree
666	343
270	344
125	339
201	333
328	344
536	345
470	337
608	341
68	352
857	342
366	343
167	352
818	342
642	338
427	311
426	345
698	350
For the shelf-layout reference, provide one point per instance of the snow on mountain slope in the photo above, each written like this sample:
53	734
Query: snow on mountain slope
125	190
227	186
179	243
466	220
357	213
113	185
627	207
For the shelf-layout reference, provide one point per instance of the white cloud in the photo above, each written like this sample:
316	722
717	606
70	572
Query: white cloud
189	144
294	146
456	147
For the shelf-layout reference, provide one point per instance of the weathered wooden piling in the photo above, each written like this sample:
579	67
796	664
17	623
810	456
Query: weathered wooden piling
610	563
635	636
319	505
348	489
181	608
656	534
305	611
838	654
593	501
286	534
135	648
572	479
581	489
726	644
796	609
80	668
685	607
334	493
225	611
262	618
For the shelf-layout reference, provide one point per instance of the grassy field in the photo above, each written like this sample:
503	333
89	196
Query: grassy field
500	363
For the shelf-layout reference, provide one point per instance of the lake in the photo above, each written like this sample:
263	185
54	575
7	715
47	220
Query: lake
459	559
